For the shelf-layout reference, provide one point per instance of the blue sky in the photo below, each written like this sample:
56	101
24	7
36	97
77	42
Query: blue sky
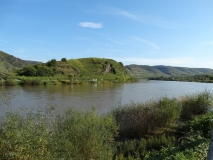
144	32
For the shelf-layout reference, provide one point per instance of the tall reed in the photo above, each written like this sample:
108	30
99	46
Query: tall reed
196	104
137	120
75	135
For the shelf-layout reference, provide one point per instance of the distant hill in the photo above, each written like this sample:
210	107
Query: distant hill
145	71
9	62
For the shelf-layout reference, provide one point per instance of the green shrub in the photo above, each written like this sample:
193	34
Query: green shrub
157	142
24	138
168	111
192	150
75	135
10	82
196	104
137	120
137	148
52	63
45	83
28	71
29	81
1	83
201	125
36	82
84	136
25	82
63	59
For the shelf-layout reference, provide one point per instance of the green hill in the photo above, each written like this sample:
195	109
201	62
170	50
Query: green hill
144	71
81	69
9	62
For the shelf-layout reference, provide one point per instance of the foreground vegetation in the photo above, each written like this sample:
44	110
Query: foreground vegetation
168	128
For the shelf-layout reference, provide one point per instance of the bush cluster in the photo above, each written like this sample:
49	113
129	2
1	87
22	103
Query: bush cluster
196	104
37	70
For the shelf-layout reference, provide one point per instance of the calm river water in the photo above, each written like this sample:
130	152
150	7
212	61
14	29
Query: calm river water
103	96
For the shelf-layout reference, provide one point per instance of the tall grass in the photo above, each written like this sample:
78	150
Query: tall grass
1	83
84	136
30	81
25	138
137	120
10	82
75	135
196	104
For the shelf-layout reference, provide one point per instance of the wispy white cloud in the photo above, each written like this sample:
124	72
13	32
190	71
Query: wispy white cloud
115	42
208	43
29	40
48	52
147	42
111	50
129	15
3	41
144	19
91	25
21	50
108	45
82	38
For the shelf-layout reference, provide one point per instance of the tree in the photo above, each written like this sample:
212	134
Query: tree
64	60
52	63
29	71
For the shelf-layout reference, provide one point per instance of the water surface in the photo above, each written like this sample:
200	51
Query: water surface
103	96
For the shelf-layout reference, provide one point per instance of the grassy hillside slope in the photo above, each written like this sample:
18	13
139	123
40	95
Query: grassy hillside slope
9	62
82	69
144	71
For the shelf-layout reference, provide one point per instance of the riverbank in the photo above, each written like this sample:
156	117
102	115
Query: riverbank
161	129
19	80
204	78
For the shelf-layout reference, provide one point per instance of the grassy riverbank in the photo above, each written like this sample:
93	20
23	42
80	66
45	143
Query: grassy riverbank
167	128
58	80
204	78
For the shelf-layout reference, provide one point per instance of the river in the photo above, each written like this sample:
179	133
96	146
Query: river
104	97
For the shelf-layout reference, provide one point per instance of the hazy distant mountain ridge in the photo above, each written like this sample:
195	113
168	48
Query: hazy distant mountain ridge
145	71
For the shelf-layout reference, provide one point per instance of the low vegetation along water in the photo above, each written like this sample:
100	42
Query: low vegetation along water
163	128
